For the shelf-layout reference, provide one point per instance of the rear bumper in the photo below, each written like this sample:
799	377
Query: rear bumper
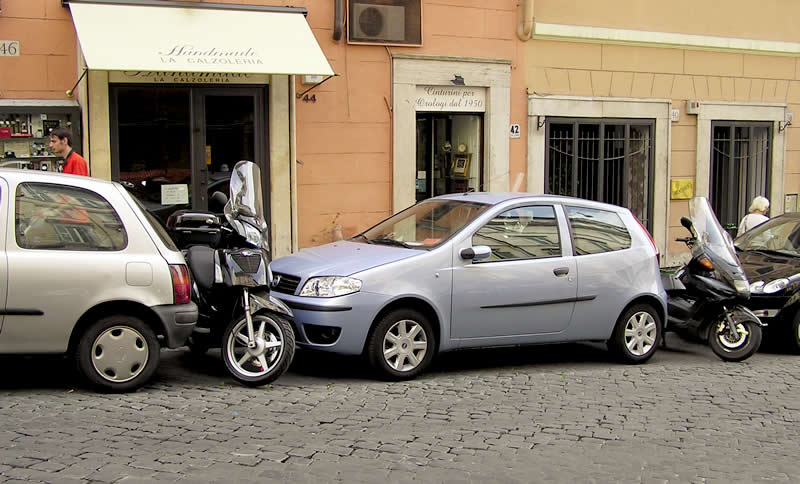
178	321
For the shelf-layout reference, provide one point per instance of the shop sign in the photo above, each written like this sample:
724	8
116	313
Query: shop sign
450	99
9	48
168	77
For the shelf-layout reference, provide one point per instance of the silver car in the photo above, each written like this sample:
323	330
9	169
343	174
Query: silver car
86	272
474	270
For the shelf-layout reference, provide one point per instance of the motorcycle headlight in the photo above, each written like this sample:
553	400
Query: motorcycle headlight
330	286
742	287
775	286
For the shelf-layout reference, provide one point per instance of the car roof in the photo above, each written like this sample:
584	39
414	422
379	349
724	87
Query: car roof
19	175
496	198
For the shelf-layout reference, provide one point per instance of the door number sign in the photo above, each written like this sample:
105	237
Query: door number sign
9	48
514	132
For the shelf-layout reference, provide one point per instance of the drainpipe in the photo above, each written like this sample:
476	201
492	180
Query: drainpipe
338	19
525	27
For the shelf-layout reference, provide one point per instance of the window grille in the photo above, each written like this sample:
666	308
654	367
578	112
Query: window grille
608	160
741	156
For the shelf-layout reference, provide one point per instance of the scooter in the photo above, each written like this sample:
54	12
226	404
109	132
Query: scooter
229	263
707	295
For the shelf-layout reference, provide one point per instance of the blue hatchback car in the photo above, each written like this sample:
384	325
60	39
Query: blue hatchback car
478	270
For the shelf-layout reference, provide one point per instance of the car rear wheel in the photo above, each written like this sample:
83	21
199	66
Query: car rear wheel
118	353
401	345
637	334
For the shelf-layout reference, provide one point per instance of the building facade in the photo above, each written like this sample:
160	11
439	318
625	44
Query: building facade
624	102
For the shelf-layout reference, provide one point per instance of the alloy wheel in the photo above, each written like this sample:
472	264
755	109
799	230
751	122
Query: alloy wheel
405	345
731	341
641	331
266	354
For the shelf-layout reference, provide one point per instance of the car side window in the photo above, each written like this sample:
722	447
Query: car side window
58	217
521	233
595	231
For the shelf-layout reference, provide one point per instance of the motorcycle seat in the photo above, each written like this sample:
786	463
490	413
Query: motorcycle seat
201	262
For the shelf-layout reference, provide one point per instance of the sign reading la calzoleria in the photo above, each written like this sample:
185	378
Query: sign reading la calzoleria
450	98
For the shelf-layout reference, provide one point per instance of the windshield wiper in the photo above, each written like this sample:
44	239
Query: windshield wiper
771	252
387	241
366	239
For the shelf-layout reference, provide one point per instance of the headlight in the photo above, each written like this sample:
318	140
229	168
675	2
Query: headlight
775	285
742	287
330	286
757	286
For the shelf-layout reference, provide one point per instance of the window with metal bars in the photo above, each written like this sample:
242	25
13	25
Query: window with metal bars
741	156
608	160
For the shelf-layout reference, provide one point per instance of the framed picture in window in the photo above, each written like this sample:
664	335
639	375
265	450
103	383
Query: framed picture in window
460	165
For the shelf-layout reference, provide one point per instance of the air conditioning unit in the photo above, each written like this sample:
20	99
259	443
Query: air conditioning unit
386	23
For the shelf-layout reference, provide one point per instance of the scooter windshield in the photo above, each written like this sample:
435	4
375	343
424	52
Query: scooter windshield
711	235
245	207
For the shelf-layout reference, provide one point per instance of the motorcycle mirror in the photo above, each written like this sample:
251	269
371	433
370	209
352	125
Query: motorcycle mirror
687	222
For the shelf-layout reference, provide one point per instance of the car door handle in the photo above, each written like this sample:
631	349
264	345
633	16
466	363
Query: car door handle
561	271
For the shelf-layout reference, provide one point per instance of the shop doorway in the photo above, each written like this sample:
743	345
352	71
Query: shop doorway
449	154
174	146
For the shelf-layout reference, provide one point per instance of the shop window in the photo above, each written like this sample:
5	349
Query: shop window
740	168
609	161
449	148
385	22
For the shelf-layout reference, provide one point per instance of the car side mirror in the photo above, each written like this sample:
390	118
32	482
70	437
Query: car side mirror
479	252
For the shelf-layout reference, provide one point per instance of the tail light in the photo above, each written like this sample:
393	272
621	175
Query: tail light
181	285
655	247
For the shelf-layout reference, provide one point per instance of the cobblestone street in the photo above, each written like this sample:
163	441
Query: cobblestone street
559	413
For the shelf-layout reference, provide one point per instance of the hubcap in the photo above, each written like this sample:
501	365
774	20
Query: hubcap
264	355
731	341
640	333
119	354
405	345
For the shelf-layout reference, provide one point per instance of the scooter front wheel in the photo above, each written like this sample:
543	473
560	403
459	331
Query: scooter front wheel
737	346
268	359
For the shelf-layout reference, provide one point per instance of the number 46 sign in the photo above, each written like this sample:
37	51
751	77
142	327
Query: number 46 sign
9	48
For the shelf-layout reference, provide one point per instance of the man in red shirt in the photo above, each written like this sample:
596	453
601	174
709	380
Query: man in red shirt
61	144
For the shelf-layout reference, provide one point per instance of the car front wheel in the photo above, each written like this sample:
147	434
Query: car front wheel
401	345
118	353
637	334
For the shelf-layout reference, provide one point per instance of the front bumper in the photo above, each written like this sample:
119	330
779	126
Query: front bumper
338	324
178	321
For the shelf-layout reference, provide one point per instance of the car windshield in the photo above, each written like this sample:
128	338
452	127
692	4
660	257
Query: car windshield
425	225
779	235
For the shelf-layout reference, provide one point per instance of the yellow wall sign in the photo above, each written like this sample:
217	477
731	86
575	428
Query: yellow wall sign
681	189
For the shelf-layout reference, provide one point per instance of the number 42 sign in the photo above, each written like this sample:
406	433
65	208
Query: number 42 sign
9	48
514	132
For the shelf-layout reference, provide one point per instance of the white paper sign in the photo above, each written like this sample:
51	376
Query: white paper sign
175	194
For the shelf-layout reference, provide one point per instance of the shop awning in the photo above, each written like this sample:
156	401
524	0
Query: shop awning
188	39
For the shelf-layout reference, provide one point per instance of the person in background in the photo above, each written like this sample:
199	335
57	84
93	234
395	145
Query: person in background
758	215
61	144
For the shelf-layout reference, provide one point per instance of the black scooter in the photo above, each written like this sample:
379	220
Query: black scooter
229	262
707	295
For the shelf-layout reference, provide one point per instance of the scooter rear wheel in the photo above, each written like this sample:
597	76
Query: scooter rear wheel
271	356
736	347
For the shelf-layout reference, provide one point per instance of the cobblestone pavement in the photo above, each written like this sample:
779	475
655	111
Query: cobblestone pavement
559	413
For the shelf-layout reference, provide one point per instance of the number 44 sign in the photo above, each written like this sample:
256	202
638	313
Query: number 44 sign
514	132
9	48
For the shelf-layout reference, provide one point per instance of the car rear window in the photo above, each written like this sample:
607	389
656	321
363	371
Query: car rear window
595	231
60	217
155	222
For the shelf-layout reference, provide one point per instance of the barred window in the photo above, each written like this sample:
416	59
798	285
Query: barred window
608	160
